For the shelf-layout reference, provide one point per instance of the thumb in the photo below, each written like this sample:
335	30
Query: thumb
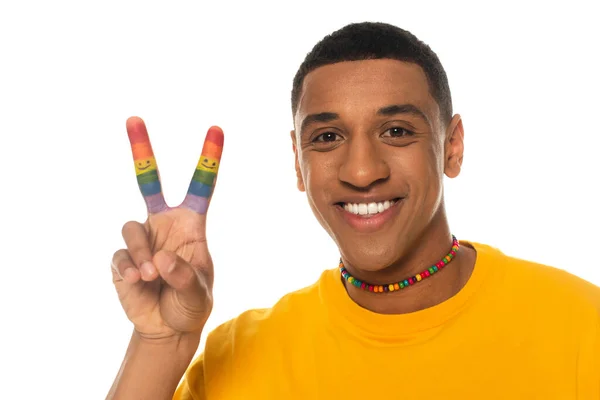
189	283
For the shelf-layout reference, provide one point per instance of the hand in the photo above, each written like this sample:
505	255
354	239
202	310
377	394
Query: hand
164	278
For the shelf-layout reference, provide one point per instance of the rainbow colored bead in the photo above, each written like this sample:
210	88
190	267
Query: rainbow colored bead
391	287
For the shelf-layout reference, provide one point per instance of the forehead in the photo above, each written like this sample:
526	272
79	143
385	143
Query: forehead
365	86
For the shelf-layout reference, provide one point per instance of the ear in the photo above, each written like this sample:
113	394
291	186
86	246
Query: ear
300	182
454	147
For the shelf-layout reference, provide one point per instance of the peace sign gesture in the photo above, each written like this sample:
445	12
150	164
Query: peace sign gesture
164	278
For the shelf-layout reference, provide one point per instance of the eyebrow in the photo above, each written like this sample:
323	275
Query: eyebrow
395	109
320	117
386	111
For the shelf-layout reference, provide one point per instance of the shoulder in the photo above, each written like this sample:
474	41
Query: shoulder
256	329
540	284
239	346
249	325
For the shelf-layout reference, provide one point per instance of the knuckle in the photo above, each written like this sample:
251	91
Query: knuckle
128	227
165	258
189	278
139	252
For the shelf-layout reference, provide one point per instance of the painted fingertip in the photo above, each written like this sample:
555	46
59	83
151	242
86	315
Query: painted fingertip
134	120
215	135
136	130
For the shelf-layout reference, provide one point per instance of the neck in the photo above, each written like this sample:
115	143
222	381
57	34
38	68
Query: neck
425	251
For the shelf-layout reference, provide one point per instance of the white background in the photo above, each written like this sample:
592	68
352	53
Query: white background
524	76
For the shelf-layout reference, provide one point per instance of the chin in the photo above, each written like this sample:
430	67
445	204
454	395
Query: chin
370	254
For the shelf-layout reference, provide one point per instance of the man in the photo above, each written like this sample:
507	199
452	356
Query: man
410	312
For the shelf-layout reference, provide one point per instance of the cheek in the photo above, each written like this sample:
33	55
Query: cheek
416	165
433	177
434	161
420	170
319	173
319	178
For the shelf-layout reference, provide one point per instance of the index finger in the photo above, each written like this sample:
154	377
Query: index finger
205	176
146	169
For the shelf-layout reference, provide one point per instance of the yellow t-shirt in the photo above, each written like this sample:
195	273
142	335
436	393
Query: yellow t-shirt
517	330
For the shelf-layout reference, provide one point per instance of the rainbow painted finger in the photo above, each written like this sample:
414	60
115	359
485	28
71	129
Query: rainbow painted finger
146	169
203	182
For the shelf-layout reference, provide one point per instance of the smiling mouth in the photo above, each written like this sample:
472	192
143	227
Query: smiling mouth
367	209
146	167
206	166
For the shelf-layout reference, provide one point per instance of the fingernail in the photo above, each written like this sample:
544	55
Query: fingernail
128	274
114	268
172	267
148	269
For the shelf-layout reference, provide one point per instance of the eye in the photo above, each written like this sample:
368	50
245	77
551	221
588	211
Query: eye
148	162
214	163
326	137
206	160
397	132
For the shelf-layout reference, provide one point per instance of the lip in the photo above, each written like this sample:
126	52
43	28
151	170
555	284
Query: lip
206	166
146	167
357	199
369	224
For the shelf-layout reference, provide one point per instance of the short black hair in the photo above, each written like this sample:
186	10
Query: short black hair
377	40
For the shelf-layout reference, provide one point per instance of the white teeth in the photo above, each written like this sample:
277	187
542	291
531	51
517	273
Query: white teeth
373	208
368	208
363	209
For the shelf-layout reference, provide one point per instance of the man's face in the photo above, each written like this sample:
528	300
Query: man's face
371	154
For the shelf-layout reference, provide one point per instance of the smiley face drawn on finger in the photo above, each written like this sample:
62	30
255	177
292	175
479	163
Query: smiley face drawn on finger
208	164
145	165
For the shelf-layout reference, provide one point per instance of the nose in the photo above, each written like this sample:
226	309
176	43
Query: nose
363	165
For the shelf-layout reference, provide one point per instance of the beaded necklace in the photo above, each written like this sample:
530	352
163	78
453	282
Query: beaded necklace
406	282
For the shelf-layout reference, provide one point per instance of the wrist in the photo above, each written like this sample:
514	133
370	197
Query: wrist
181	343
153	366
